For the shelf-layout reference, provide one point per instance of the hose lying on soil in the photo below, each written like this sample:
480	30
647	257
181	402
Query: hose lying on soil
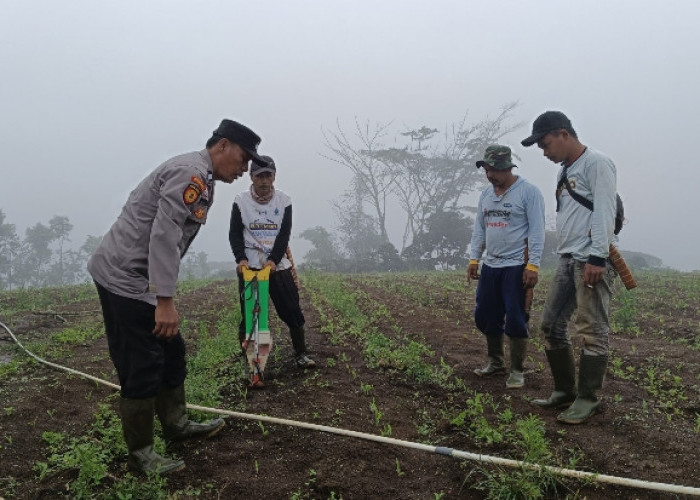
476	457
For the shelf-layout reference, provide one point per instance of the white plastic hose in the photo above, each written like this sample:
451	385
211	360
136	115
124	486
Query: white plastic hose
476	457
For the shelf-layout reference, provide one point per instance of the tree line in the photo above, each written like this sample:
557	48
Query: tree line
43	256
426	174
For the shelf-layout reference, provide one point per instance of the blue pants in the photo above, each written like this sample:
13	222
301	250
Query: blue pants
500	302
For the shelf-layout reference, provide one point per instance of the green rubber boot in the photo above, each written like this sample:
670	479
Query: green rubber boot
518	348
495	352
561	362
591	373
172	412
137	426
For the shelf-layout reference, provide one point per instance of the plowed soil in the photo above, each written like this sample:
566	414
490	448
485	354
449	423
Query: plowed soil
633	438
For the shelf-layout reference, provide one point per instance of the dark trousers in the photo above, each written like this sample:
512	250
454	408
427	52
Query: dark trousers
500	302
145	364
285	298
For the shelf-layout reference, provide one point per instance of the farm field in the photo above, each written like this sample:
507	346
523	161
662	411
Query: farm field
395	356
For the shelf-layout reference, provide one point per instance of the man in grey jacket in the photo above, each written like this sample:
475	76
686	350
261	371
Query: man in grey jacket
584	275
135	269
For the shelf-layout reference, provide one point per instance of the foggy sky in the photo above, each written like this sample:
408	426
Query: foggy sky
94	95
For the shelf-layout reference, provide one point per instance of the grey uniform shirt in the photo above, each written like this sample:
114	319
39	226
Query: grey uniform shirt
139	257
581	232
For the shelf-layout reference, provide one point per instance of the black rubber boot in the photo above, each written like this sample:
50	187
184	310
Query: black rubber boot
299	344
518	348
172	412
241	337
591	373
496	354
137	425
561	362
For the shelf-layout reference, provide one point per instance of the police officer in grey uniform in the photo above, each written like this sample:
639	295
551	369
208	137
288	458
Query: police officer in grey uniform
135	269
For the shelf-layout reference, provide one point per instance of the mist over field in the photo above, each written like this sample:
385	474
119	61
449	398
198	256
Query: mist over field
94	95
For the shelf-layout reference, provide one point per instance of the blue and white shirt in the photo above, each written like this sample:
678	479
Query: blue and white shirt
504	222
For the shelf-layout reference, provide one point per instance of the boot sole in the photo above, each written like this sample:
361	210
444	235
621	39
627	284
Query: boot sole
162	472
216	431
176	469
179	439
557	406
578	421
480	373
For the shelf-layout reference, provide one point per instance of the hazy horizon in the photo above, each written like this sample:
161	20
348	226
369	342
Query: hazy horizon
95	95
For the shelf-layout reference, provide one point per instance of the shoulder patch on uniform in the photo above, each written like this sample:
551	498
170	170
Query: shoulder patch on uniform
191	194
199	182
200	213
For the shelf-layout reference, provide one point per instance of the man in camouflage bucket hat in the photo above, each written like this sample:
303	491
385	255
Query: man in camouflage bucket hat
509	224
498	157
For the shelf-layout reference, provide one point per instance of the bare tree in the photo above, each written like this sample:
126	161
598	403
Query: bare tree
466	143
358	231
431	174
372	179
